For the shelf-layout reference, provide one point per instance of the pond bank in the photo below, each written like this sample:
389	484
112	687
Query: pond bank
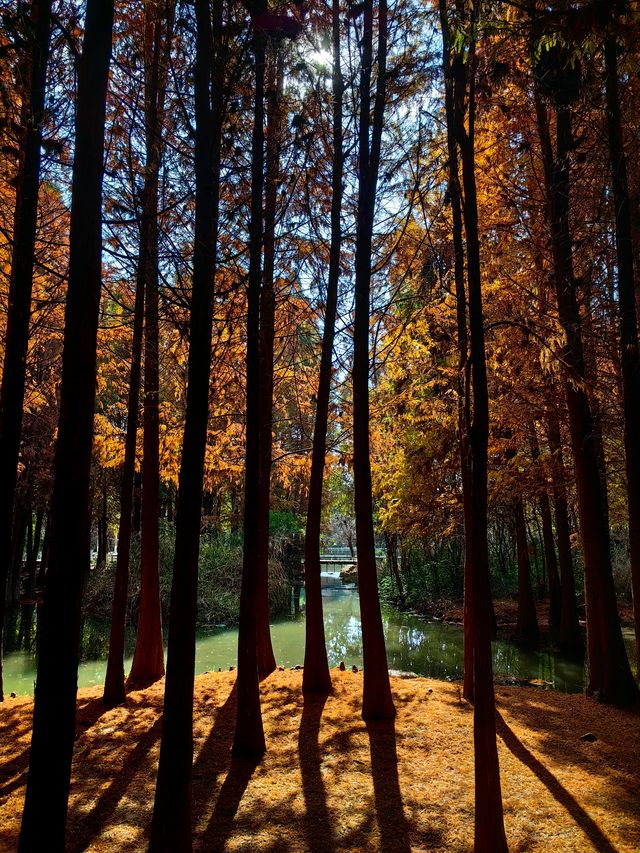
328	777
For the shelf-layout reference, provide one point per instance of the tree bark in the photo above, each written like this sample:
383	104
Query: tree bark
489	834
610	677
20	287
264	651
555	593
316	677
114	684
45	809
454	80
527	632
249	733
171	824
148	657
629	352
377	701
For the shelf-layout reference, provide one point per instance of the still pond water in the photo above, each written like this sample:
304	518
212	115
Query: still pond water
413	645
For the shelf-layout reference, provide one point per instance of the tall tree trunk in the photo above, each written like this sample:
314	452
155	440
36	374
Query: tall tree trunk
527	632
316	677
45	809
148	657
454	80
569	636
114	684
42	571
32	558
171	824
101	556
630	356
266	658
610	677
555	593
377	702
21	280
489	834
249	733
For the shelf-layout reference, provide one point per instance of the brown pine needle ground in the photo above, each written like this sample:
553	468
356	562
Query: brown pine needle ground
330	782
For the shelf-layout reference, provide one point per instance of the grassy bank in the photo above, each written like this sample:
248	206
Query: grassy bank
330	782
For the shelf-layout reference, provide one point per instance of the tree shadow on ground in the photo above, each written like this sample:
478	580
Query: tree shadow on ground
392	823
555	788
90	825
317	822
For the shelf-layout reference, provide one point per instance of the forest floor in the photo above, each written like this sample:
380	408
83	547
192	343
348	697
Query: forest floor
330	782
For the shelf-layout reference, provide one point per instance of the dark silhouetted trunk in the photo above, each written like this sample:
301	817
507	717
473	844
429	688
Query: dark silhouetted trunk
316	677
489	834
569	636
377	701
42	570
32	556
45	809
171	824
551	563
630	356
610	677
103	545
266	658
249	733
148	658
20	527
454	80
114	684
527	632
20	286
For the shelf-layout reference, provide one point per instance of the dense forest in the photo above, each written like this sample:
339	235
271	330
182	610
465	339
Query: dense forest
275	278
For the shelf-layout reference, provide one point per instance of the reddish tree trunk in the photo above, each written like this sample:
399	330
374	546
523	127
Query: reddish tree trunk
148	658
610	677
489	834
316	677
249	733
21	280
377	702
45	809
629	352
171	824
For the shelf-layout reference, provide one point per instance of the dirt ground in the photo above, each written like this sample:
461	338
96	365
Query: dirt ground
330	782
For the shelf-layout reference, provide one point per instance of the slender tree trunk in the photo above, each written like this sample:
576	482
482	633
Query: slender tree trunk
45	809
527	632
316	677
101	557
148	658
610	677
171	824
21	280
32	564
454	78
20	527
114	684
630	356
569	637
555	593
266	658
249	733
489	834
42	571
377	701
